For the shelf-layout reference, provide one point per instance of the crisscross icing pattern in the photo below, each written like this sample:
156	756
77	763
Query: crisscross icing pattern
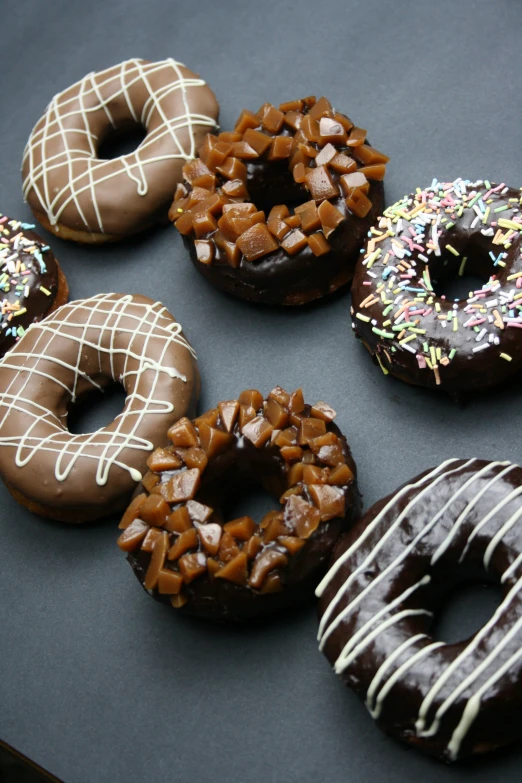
61	169
129	338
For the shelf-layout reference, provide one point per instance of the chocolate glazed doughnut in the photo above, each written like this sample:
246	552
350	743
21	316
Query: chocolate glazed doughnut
79	197
420	336
85	345
178	543
277	210
31	280
387	576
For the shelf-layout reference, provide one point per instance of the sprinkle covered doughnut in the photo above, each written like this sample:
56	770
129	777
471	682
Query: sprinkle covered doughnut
277	210
76	195
387	576
32	284
178	543
424	338
86	345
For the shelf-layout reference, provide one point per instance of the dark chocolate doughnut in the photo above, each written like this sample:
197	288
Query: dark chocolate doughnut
177	541
420	241
277	210
79	196
387	577
32	283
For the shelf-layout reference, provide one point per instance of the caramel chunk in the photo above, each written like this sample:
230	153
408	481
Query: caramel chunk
204	251
182	433
212	566
243	151
133	511
321	108
327	153
321	410
331	131
169	582
358	203
280	211
157	560
253	547
294	242
232	253
185	541
242	528
184	223
278	228
310	129
301	517
195	458
218	154
178	601
247	119
235	570
309	215
375	172
230	136
133	535
150	539
356	137
258	431
330	217
256	242
209	417
162	459
228	412
291	543
276	414
235	188
291	106
294	119
179	521
291	453
340	475
183	486
331	455
207	181
199	512
318	244
154	510
351	181
296	403
294	221
281	148
312	474
295	474
272	584
246	414
210	537
368	155
299	172
280	395
272	119
228	548
329	500
275	528
181	191
309	429
287	437
343	164
192	566
213	441
264	563
327	439
258	140
251	397
320	184
194	169
233	169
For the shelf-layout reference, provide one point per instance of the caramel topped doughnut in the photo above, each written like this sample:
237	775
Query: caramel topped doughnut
277	210
76	195
389	575
90	344
414	333
32	284
178	543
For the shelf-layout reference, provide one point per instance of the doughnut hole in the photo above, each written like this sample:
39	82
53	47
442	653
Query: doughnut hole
121	141
96	409
454	278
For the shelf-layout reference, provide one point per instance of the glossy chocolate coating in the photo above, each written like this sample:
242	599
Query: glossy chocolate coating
30	276
490	314
242	464
279	278
387	577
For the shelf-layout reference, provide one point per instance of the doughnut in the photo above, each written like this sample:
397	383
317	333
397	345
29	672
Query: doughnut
175	535
80	197
32	284
412	330
88	345
458	521
276	211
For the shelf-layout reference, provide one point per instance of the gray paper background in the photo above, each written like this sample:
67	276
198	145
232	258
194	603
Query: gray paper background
97	682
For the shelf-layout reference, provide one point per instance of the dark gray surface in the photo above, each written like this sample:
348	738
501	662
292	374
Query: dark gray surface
97	682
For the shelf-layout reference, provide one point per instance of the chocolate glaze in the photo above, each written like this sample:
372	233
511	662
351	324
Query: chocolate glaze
88	344
386	578
241	464
33	288
125	195
473	366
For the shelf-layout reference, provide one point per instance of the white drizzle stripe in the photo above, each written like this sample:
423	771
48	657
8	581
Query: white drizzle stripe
378	546
65	116
476	530
105	446
384	667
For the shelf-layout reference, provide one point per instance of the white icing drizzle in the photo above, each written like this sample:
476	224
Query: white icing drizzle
496	659
121	315
68	115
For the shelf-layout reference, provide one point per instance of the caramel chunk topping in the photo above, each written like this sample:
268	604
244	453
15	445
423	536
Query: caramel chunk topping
256	242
